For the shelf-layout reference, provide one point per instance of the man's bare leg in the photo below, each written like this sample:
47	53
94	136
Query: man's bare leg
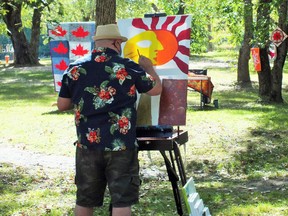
126	211
83	211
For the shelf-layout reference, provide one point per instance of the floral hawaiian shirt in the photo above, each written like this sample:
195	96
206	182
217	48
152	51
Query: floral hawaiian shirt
103	88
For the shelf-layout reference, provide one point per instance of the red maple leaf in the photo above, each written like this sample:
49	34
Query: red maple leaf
59	83
61	49
59	31
62	65
80	32
79	51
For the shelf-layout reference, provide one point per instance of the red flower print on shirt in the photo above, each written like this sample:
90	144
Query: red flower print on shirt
74	72
77	112
120	122
132	91
118	71
121	74
77	116
102	58
107	94
103	95
112	90
124	124
93	136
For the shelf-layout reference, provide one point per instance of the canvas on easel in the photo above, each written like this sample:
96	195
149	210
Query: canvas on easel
166	41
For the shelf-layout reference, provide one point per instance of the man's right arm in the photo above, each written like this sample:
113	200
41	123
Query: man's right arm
147	65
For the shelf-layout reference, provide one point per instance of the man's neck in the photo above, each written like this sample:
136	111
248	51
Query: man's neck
106	43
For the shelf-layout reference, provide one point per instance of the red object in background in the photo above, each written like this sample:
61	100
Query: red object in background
256	58
278	36
80	33
79	51
62	65
59	31
61	49
173	102
201	84
7	60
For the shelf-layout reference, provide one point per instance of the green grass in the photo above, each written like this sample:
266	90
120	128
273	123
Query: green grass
237	154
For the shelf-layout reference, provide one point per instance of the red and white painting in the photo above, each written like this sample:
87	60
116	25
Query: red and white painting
166	41
68	42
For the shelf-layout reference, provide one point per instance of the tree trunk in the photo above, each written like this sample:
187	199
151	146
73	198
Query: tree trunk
277	71
210	45
105	12
243	76
35	35
263	21
23	54
264	76
181	9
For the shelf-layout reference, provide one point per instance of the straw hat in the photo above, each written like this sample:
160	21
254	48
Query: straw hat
109	31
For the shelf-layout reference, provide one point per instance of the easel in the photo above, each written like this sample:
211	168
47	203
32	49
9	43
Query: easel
170	144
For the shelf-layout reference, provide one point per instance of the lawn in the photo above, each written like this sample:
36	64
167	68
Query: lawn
237	154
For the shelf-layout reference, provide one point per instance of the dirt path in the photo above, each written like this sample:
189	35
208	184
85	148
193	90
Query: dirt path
29	159
58	163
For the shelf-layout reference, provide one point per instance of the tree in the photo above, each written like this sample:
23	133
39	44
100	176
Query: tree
181	9
105	12
243	76
277	70
88	9
25	52
262	36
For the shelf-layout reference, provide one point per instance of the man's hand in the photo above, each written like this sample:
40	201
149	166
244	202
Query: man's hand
145	63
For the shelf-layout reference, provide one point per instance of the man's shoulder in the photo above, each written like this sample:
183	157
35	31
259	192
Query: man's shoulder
82	60
128	62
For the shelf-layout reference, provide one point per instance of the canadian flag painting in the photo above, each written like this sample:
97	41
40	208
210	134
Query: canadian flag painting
68	42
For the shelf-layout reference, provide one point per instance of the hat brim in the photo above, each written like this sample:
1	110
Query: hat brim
102	37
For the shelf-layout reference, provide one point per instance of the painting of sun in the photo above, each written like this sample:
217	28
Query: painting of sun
166	41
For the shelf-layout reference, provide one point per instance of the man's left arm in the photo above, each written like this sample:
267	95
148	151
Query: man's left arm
64	104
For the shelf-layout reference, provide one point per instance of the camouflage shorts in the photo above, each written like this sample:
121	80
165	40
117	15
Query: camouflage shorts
97	169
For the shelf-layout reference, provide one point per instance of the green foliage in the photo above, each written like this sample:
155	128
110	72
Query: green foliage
213	22
132	8
229	18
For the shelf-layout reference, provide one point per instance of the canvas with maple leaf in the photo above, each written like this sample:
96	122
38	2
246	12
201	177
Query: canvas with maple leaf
68	42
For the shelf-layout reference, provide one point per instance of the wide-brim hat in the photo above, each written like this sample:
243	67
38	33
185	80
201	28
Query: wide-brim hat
109	31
